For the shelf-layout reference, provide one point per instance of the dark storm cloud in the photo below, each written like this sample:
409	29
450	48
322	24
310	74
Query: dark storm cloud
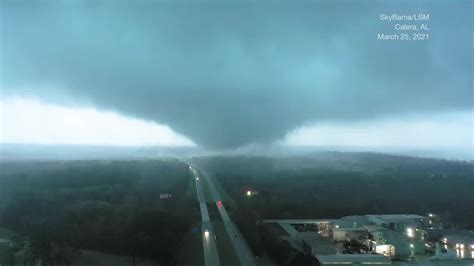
228	74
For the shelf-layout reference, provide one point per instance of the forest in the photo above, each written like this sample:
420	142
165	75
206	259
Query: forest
109	206
146	209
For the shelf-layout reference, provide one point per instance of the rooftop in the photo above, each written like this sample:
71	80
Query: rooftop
359	220
356	229
320	246
351	258
375	228
299	221
395	216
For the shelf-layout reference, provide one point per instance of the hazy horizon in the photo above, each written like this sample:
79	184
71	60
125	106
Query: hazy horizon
25	151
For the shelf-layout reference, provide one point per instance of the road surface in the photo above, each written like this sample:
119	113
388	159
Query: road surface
245	255
211	257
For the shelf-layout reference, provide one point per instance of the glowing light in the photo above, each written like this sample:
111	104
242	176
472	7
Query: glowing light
472	246
197	178
206	233
445	240
461	246
249	193
412	246
410	232
430	215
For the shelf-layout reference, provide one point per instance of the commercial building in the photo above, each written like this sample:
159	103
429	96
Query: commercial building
399	222
370	239
348	234
353	259
312	243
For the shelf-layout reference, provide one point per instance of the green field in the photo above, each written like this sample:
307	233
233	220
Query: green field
227	254
206	190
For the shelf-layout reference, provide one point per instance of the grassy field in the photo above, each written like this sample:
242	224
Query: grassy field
225	248
206	190
227	254
225	197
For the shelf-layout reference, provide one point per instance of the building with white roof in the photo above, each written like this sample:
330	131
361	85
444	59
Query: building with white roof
398	222
353	259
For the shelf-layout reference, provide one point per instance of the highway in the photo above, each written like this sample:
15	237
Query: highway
211	256
245	255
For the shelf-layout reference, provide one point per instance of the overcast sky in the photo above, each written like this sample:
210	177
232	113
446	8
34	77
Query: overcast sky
222	75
